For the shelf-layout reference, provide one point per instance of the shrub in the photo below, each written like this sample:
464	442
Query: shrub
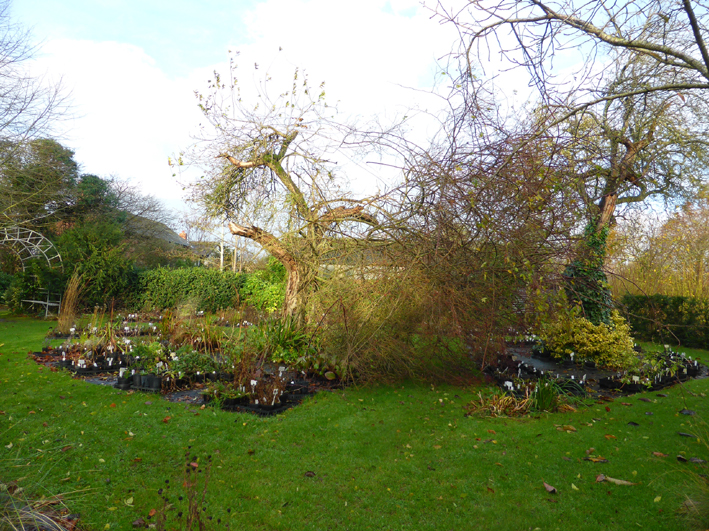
663	318
607	345
209	289
265	289
5	281
387	327
96	252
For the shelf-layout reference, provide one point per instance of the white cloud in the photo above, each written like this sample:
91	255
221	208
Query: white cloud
130	116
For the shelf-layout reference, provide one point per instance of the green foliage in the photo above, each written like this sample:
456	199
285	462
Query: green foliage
281	340
36	278
586	283
37	182
265	289
669	319
5	281
546	394
607	345
96	253
92	250
211	290
189	362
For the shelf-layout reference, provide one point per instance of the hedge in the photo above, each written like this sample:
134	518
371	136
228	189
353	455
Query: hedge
207	289
668	319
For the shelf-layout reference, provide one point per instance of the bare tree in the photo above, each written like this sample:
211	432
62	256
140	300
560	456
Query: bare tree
29	108
533	33
268	161
630	76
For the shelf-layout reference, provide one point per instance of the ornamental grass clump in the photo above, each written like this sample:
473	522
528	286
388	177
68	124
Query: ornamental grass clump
70	304
20	513
571	336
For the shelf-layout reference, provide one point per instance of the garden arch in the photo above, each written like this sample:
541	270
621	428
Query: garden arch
28	244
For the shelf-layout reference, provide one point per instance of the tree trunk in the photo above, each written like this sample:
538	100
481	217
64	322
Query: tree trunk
299	274
606	210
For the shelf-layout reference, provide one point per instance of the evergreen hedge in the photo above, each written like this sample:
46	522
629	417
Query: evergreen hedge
669	319
209	289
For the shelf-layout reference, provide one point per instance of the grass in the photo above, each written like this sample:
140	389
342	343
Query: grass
371	458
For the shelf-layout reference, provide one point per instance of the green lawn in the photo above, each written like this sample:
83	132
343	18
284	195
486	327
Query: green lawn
371	458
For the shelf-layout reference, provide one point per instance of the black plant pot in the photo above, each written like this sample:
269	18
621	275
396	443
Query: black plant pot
124	383
609	383
154	383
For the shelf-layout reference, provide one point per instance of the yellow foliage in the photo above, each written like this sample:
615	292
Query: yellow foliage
607	345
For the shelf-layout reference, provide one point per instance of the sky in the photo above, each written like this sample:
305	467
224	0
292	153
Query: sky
132	67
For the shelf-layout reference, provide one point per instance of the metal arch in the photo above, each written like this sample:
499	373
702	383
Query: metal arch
32	245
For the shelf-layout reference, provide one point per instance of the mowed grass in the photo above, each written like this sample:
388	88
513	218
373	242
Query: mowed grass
400	457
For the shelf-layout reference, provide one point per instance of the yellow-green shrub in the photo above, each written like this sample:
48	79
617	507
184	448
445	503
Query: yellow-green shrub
607	345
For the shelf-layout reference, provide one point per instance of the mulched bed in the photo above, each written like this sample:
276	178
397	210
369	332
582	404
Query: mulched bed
598	382
304	385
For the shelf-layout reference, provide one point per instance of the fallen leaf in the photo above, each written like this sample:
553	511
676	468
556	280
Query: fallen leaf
137	459
607	436
697	460
166	419
686	435
613	480
687	412
608	409
659	454
491	490
574	487
594	459
549	488
8	446
129	502
492	431
657	499
567	428
436	446
152	513
194	465
112	405
643	399
681	459
631	423
626	404
139	523
309	474
661	395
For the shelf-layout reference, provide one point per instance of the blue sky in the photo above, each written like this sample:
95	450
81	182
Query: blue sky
180	35
132	66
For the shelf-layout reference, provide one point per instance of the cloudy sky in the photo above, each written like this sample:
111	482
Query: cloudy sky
132	66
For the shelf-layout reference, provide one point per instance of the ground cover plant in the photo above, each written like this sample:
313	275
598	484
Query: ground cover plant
368	458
